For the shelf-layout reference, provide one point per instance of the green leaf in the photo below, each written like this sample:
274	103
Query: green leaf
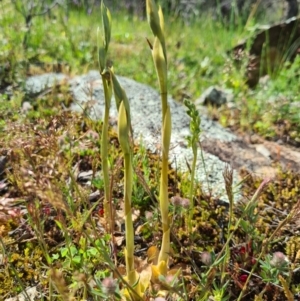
73	250
64	252
217	262
55	256
117	90
156	22
59	225
244	225
102	58
160	65
98	293
107	85
98	183
76	259
92	252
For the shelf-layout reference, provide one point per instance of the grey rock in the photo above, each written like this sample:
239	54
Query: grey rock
31	292
212	96
94	196
26	106
295	105
37	83
145	105
85	176
260	148
146	117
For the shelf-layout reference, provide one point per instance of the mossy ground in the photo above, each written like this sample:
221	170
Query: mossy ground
48	208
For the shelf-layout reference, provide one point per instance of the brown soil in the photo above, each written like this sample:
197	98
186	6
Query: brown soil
254	154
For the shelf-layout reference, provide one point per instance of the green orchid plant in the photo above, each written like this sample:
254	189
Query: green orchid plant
137	283
159	54
135	288
107	86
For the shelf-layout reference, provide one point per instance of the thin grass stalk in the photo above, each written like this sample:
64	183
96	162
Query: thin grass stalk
191	211
204	168
251	203
195	156
107	259
265	246
228	178
193	140
50	290
252	13
37	226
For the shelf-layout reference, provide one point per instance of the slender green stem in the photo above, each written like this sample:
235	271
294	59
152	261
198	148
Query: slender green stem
107	259
191	212
251	203
164	209
107	86
263	251
163	192
50	289
123	135
204	167
129	233
104	154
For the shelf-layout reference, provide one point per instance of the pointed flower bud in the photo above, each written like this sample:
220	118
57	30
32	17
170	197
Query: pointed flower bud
160	64
106	23
153	18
